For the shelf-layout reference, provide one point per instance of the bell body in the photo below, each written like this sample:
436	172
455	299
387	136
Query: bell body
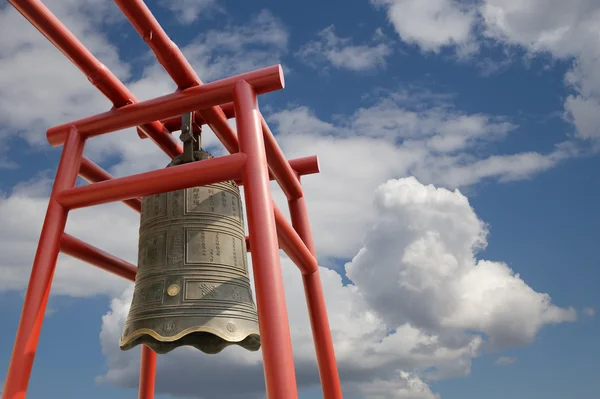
192	285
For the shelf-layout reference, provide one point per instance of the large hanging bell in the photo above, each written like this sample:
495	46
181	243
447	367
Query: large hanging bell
192	285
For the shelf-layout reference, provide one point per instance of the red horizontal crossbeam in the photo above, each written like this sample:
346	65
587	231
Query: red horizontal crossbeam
262	80
85	252
279	167
93	173
209	171
301	166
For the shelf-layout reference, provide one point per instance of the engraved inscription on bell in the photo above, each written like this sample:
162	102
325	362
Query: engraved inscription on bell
200	290
177	247
212	200
148	293
153	207
213	247
152	250
192	285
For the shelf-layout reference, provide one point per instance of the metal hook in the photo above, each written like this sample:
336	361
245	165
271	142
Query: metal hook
187	136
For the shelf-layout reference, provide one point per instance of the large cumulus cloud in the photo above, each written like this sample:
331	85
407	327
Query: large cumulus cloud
420	306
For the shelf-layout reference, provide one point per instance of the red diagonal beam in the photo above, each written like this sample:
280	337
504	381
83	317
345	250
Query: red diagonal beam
180	70
96	72
85	252
279	165
262	80
174	62
93	173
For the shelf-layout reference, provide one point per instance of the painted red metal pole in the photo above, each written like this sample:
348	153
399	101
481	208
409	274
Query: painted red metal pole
209	171
93	173
274	327
175	64
293	246
301	166
147	373
85	252
97	73
44	264
306	165
180	70
313	289
279	165
262	80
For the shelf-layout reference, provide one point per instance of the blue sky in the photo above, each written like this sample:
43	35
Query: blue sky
432	292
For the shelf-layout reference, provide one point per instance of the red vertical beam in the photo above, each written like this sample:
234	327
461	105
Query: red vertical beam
313	289
44	264
147	373
274	326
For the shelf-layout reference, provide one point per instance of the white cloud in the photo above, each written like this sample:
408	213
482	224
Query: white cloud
423	245
35	98
341	53
188	11
589	312
22	213
419	301
238	48
565	30
404	386
394	137
505	361
431	24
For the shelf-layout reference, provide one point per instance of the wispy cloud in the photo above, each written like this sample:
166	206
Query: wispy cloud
188	11
342	53
505	361
589	312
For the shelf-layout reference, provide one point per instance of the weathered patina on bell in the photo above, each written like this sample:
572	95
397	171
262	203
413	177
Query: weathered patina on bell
192	285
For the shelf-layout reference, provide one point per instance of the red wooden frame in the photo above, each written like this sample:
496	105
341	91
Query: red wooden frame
255	159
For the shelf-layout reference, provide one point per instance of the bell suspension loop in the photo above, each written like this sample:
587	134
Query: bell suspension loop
191	138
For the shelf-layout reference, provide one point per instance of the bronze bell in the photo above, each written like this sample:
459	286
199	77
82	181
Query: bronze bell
192	285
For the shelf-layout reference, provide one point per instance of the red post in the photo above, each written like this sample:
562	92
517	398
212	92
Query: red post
147	373
274	327
36	298
313	289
